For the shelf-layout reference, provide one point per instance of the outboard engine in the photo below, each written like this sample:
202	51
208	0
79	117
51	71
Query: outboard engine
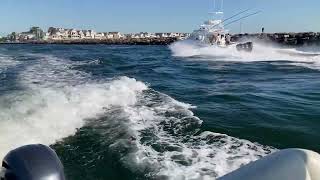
248	46
32	162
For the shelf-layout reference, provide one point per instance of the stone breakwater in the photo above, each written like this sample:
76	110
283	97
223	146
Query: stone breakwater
126	41
288	39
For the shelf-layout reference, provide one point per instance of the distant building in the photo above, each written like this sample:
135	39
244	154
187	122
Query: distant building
73	34
115	35
133	36
53	33
99	36
147	35
92	33
87	34
37	32
108	35
81	34
24	36
161	35
57	34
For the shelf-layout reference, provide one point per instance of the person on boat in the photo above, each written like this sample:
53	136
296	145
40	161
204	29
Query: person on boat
228	39
213	39
218	40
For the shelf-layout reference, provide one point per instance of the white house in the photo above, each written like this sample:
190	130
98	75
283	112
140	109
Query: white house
26	36
57	33
46	36
172	34
87	34
99	36
108	36
64	33
81	34
116	35
162	35
73	34
92	33
134	36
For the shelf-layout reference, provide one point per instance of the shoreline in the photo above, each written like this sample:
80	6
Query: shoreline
131	41
286	39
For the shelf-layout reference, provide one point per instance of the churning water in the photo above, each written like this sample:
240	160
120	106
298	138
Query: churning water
156	112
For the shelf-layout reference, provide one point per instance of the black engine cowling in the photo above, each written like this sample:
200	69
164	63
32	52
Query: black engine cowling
32	162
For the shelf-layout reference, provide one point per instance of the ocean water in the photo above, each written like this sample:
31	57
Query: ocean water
158	112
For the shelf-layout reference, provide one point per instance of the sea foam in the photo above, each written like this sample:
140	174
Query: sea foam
304	56
164	134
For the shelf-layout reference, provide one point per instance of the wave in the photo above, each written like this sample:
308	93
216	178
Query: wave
55	101
169	143
305	56
5	63
45	115
162	135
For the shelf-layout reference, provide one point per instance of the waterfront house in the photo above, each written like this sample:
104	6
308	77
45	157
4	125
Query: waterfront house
74	34
108	35
24	36
173	34
116	35
92	33
134	36
57	33
46	36
35	33
147	35
99	36
81	34
89	34
140	35
161	35
86	34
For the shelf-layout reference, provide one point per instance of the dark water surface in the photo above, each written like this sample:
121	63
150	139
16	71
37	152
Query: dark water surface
137	112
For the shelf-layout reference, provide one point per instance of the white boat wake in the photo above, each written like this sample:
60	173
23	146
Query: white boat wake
306	56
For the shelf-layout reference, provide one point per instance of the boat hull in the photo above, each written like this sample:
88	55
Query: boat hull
247	47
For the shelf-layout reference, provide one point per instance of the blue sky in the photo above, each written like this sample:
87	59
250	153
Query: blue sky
155	15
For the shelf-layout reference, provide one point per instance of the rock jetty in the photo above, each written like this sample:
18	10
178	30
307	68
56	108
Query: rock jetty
121	41
288	39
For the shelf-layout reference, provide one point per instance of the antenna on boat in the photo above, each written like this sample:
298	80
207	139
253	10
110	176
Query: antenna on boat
242	18
221	8
217	9
233	16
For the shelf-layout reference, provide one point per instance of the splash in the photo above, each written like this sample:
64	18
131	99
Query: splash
56	101
165	141
305	56
45	115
